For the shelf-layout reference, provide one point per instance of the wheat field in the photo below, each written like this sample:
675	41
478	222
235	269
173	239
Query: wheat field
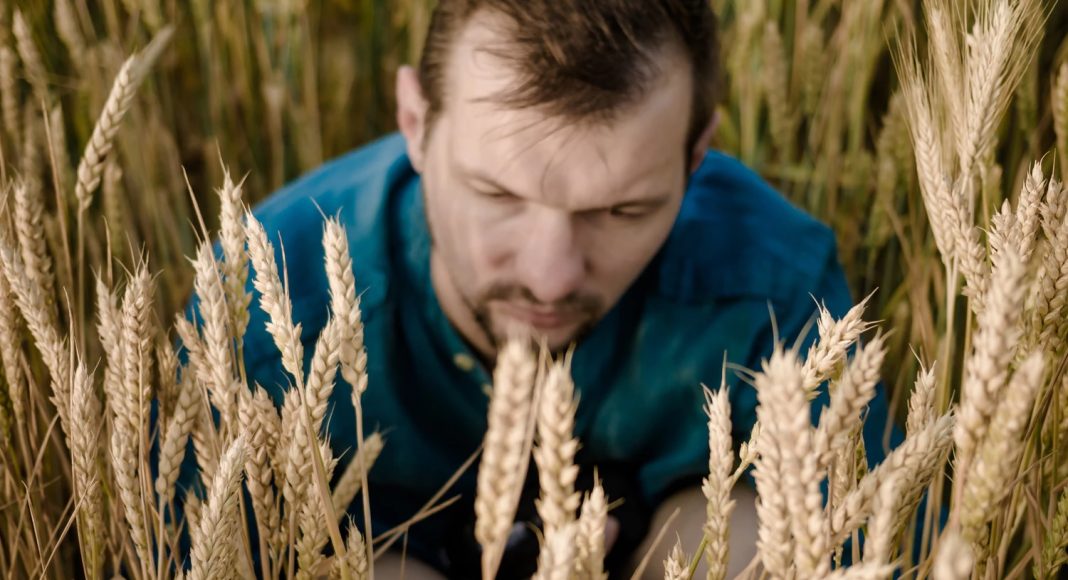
932	135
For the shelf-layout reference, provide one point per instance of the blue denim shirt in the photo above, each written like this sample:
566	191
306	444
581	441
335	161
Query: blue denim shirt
736	249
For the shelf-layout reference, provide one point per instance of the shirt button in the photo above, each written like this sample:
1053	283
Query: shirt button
464	362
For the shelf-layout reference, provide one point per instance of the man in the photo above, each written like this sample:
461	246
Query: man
552	174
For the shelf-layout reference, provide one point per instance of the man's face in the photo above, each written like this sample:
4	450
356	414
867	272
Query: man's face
540	224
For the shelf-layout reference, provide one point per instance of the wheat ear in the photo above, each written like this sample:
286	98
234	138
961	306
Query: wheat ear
505	451
675	565
91	165
589	541
849	396
557	557
996	460
214	553
555	450
916	461
274	299
351	479
784	415
235	259
986	369
717	486
835	338
85	454
954	560
921	402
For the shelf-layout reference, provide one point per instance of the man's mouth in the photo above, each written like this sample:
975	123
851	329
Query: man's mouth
540	318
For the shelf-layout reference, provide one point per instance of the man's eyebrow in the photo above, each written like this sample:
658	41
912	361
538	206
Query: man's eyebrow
650	200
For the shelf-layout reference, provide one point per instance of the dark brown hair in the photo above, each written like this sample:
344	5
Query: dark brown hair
583	60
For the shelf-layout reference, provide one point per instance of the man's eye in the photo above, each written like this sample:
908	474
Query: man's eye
497	195
626	211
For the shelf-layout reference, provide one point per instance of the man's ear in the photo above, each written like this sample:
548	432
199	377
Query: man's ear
701	146
411	114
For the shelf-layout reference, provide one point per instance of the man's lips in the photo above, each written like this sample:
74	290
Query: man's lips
543	318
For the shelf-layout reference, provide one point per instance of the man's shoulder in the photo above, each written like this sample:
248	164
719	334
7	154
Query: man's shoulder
737	237
355	188
358	178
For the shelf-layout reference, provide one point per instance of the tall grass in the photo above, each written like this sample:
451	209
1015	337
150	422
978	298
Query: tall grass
936	125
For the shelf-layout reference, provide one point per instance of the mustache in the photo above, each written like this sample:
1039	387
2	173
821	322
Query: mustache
572	303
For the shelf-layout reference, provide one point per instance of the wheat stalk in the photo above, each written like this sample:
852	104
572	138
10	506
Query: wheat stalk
921	403
505	451
717	486
217	337
91	166
589	540
555	450
675	565
274	299
11	352
954	560
9	104
85	454
214	554
916	461
784	415
835	338
849	396
235	259
31	58
986	369
1059	107
356	556
996	460
557	556
351	480
259	423
42	326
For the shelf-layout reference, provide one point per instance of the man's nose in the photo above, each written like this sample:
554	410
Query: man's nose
551	263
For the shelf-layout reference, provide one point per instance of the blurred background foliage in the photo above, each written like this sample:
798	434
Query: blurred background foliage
275	87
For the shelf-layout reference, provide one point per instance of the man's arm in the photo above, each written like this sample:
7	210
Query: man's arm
688	525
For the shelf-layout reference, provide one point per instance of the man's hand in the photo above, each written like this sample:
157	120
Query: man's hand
688	525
